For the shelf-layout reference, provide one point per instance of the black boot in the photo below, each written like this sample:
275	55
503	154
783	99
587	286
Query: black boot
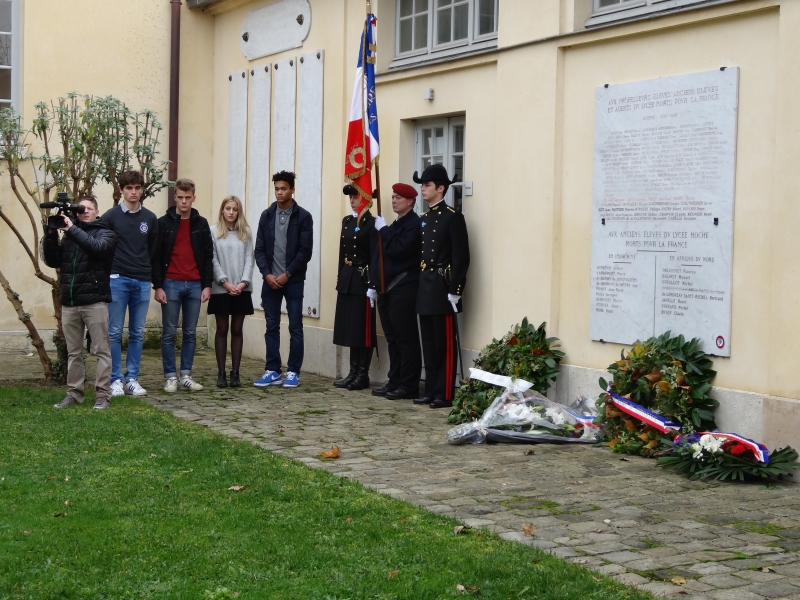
354	356
361	381
235	379
221	381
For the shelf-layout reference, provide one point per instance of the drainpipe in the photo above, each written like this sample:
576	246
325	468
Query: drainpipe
174	95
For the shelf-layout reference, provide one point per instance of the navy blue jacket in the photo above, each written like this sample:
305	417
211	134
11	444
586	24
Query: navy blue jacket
299	242
402	243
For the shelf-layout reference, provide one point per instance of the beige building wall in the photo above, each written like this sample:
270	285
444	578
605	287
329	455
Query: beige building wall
529	110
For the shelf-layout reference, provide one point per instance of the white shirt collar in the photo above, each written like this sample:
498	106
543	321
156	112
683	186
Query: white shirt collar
125	208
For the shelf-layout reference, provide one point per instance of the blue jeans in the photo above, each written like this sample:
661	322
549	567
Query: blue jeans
181	296
293	292
133	296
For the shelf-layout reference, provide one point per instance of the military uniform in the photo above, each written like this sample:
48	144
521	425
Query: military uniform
443	271
354	323
401	243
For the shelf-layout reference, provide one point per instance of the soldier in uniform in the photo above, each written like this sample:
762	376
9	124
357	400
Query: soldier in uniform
443	274
401	243
354	323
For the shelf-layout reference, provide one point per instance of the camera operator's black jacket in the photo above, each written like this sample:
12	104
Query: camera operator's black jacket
84	255
202	246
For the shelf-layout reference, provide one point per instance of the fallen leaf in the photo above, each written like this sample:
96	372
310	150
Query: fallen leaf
237	437
458	529
152	456
66	478
625	459
529	529
349	520
189	471
472	588
86	452
15	404
332	453
767	569
60	515
393	574
27	532
530	452
460	588
535	561
237	488
581	561
50	479
66	502
606	521
403	519
167	487
678	580
598	530
29	355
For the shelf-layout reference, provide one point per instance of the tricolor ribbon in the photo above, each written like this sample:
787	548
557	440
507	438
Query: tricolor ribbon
759	450
648	417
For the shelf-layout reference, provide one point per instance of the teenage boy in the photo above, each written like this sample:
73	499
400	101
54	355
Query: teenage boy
131	274
443	274
283	248
84	256
182	281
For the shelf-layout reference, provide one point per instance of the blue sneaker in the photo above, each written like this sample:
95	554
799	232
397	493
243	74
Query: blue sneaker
292	380
269	378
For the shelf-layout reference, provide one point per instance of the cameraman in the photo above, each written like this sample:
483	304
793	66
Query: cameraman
84	256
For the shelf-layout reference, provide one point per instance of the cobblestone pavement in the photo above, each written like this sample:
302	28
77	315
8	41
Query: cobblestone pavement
624	517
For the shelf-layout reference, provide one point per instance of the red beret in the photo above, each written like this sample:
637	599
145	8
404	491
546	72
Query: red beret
404	190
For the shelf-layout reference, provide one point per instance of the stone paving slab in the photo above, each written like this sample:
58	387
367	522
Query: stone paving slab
627	518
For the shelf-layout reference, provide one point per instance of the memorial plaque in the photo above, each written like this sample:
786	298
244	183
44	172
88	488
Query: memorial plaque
662	223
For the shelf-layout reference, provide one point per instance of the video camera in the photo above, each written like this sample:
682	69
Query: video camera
64	207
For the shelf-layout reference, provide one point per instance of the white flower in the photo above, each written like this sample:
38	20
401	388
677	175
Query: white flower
555	416
711	444
698	451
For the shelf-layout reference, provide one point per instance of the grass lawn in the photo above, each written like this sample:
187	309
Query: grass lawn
134	503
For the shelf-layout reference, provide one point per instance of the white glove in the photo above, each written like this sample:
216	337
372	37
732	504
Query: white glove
372	295
453	301
380	223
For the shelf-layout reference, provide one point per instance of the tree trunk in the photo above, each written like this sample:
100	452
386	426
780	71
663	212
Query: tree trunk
60	370
36	339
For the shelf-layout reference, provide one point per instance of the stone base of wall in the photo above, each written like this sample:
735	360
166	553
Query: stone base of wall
771	420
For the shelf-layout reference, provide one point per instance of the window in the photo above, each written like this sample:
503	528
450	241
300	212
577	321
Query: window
432	28
606	11
442	141
9	51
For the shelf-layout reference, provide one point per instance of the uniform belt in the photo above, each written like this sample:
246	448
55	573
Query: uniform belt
351	263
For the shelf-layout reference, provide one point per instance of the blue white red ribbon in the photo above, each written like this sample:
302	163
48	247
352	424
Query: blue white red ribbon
759	450
648	417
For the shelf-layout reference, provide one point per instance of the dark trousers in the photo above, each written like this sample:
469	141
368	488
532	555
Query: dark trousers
439	348
271	299
399	320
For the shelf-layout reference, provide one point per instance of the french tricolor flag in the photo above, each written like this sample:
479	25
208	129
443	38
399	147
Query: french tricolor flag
362	148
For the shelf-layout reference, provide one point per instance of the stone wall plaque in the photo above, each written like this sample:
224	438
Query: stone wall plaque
662	222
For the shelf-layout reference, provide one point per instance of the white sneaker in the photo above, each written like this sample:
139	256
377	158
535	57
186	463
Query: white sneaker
190	384
133	388
117	389
171	385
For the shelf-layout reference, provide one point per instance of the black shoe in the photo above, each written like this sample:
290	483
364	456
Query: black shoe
400	395
439	403
235	379
382	391
423	400
221	381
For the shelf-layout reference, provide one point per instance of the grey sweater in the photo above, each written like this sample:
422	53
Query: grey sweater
233	260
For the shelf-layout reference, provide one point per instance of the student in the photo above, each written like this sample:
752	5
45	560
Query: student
182	280
231	293
283	248
131	274
84	256
443	275
354	323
